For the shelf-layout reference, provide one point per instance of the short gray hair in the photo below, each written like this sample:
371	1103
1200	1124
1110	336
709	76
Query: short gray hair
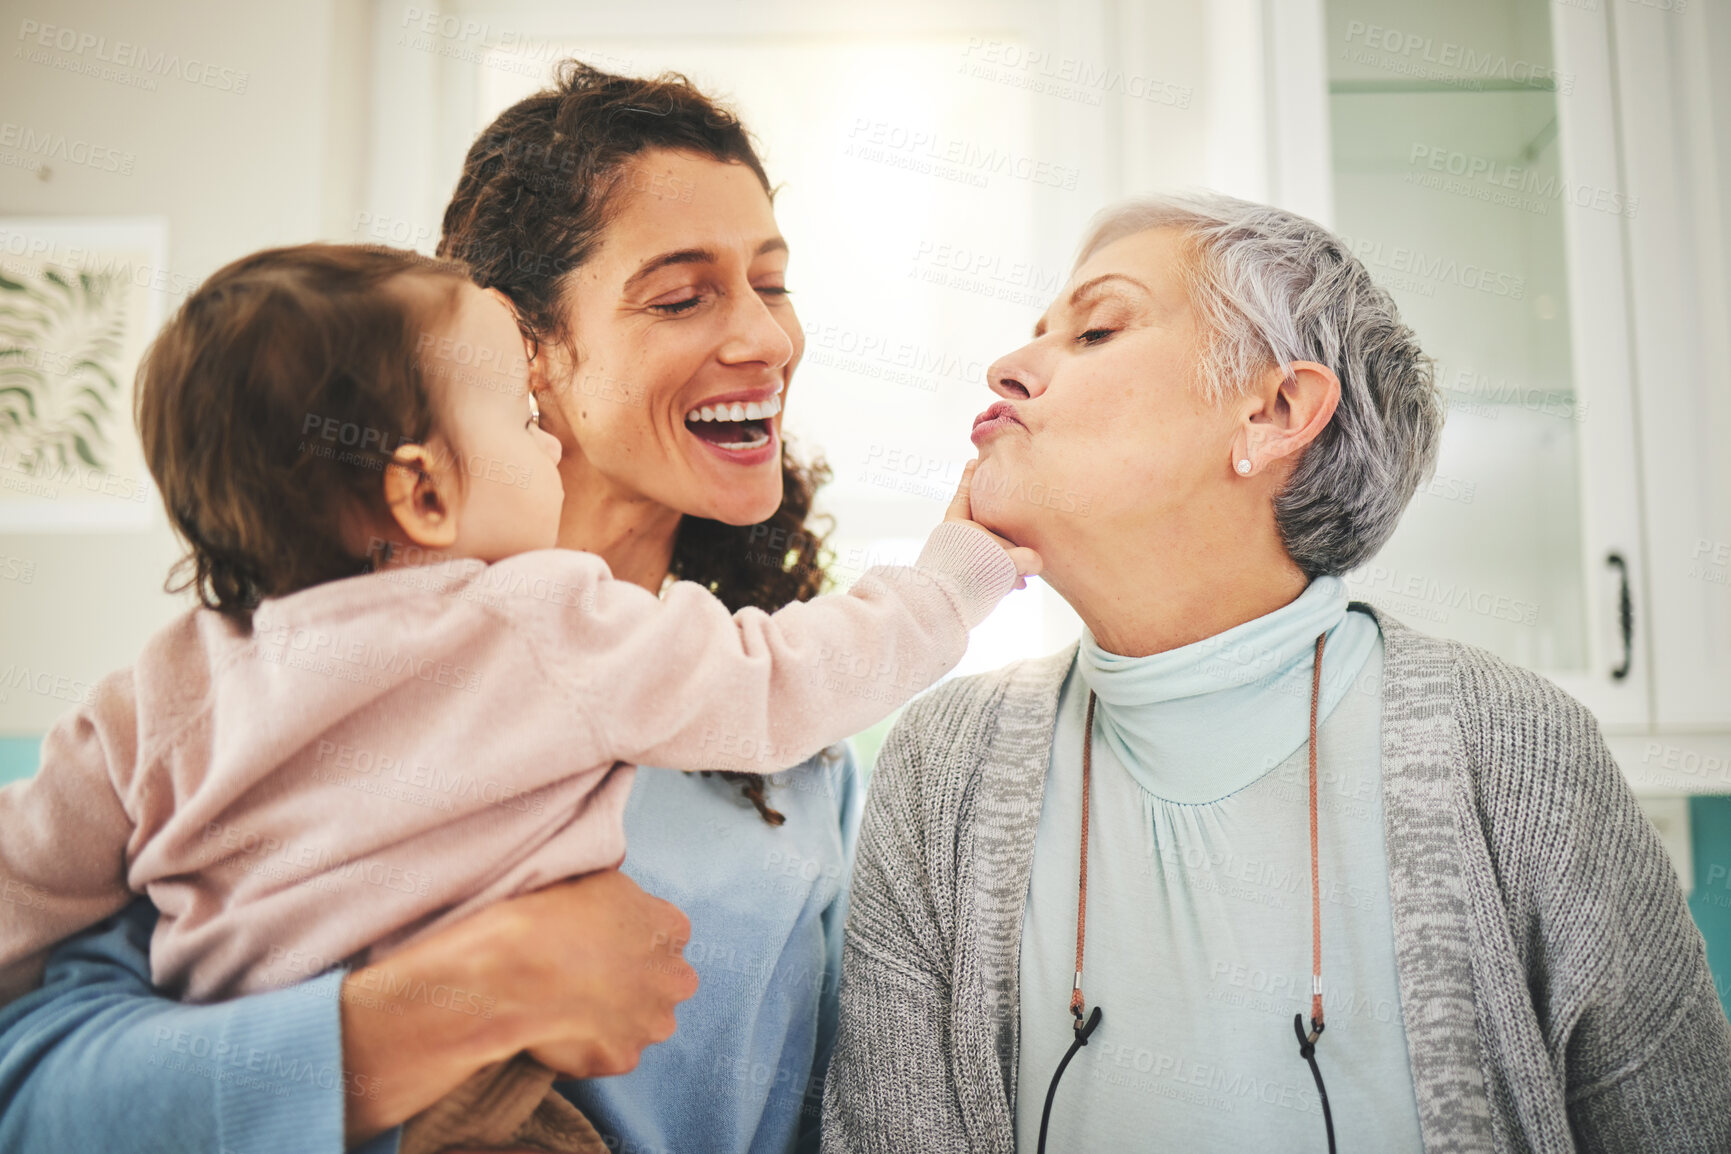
1271	287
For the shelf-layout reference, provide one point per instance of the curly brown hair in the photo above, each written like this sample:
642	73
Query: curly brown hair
536	195
269	404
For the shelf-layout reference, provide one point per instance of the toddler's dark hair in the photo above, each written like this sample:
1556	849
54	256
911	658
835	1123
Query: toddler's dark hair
272	400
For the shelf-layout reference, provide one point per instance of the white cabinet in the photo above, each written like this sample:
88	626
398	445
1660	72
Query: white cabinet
1680	317
1536	185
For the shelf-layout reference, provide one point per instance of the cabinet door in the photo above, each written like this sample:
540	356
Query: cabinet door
1474	168
1673	158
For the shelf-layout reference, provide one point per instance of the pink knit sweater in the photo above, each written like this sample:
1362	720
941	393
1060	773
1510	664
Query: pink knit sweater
384	754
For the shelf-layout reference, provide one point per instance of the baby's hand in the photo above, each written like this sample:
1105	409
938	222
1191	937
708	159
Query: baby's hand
961	508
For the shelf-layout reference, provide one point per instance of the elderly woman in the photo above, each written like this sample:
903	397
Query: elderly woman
1266	869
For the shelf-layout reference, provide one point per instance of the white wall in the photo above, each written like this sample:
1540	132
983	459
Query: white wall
338	118
231	172
347	111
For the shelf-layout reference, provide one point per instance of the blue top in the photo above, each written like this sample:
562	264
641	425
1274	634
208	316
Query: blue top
95	1060
766	904
1199	913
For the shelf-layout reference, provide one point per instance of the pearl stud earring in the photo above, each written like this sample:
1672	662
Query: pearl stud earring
1244	467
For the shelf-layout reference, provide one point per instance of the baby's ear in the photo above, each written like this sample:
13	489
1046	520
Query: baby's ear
418	492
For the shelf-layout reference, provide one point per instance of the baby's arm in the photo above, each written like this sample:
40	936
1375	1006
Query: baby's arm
683	684
63	837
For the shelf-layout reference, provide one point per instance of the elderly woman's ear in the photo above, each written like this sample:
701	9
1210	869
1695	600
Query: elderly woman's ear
1280	414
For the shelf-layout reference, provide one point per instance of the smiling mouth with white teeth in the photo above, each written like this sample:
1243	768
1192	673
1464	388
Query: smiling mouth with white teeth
736	426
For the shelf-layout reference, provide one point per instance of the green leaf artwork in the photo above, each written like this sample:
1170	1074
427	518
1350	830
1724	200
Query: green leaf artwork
62	333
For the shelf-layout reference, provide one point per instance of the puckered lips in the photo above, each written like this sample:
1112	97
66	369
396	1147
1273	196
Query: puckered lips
739	427
1001	416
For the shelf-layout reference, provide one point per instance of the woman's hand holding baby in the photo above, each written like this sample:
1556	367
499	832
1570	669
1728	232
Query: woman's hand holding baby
584	975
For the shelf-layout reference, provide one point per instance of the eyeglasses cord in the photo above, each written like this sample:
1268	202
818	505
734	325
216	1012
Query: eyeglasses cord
1306	1042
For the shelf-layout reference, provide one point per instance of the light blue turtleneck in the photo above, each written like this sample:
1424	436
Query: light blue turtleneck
1197	723
1199	914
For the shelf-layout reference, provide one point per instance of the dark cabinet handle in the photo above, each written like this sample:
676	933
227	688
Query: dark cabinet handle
1625	615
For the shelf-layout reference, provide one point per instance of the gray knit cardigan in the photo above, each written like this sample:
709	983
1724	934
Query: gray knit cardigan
1554	989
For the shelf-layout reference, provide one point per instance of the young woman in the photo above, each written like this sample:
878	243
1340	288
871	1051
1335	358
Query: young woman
630	223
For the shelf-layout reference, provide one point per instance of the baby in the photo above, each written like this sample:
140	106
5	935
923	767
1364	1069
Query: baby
384	606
